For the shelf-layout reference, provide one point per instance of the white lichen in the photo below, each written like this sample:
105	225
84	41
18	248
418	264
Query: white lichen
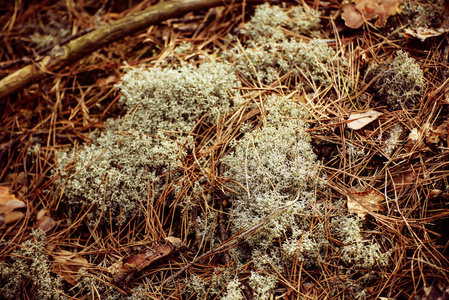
112	175
397	82
29	269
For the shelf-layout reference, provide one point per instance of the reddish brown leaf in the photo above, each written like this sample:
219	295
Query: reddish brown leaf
8	202
363	202
356	13
123	271
67	265
12	217
402	181
44	221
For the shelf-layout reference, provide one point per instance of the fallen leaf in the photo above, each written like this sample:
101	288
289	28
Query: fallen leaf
434	293
176	242
402	181
123	271
106	81
435	135
432	139
355	14
358	121
12	217
353	18
44	221
67	265
8	202
435	193
363	202
443	132
422	33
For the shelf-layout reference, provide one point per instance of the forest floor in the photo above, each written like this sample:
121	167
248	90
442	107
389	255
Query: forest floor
375	114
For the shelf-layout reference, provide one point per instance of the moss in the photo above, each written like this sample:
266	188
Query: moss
272	47
420	14
267	63
223	284
397	82
112	174
270	22
358	252
29	270
393	140
262	285
233	291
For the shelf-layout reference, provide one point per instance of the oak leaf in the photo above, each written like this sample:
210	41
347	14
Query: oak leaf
363	202
355	14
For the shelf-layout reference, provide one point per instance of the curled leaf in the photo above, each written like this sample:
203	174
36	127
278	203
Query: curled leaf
358	121
67	265
44	221
355	14
363	202
12	217
123	271
422	33
8	202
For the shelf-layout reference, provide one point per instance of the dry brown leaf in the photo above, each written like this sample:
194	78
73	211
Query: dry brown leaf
402	181
106	81
414	140
353	18
12	217
363	202
358	121
422	33
435	193
176	242
8	202
355	14
44	221
67	265
443	132
123	271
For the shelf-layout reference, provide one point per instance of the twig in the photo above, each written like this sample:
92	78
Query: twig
60	57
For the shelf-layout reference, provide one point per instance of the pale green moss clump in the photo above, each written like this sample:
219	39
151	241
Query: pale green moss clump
311	60
271	166
89	286
268	22
223	284
262	285
123	165
173	99
234	291
397	82
271	51
28	269
423	14
357	251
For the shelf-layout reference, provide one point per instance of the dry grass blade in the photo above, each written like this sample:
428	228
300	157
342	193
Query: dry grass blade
231	214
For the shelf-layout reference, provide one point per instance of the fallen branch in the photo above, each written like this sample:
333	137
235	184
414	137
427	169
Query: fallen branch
60	57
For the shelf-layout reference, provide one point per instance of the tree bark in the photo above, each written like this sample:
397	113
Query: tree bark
60	57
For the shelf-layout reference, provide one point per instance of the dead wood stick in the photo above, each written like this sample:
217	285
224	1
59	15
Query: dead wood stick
60	57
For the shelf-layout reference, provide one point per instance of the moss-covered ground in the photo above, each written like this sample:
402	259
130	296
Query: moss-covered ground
221	155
